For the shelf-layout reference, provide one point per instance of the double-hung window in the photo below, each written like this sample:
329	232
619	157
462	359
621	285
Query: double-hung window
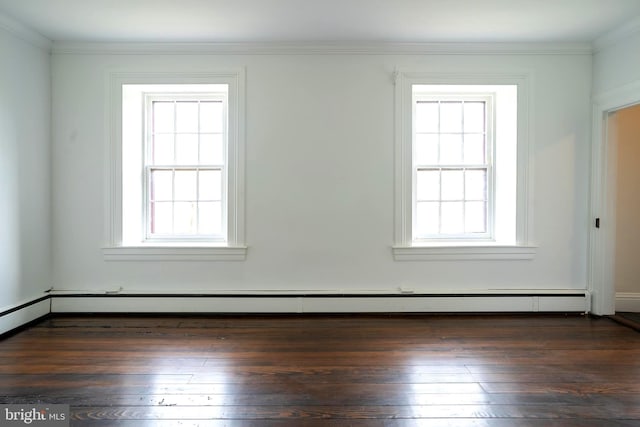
185	170
462	162
452	166
176	175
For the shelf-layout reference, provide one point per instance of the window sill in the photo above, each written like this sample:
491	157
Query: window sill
175	253
463	252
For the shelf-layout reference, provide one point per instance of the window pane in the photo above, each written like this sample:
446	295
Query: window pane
452	218
184	218
210	218
428	185
426	117
161	218
474	149
162	149
427	218
210	185
426	150
475	217
211	149
211	117
186	116
185	185
476	184
474	117
452	184
451	117
187	149
163	116
451	149
161	185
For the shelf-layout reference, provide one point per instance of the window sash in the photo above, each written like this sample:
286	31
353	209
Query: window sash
150	166
421	229
200	203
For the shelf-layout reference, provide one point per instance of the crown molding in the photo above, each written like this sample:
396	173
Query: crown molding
24	33
312	48
612	37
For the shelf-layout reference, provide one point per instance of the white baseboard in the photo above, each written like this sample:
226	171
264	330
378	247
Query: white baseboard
21	314
570	302
628	301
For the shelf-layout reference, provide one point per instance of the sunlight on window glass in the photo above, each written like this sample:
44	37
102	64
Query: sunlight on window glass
452	221
187	149
210	216
475	217
185	218
475	185
450	149
474	117
451	117
427	117
186	116
211	149
185	185
162	217
163	153
211	115
452	185
163	116
428	185
474	149
162	185
428	218
210	185
426	149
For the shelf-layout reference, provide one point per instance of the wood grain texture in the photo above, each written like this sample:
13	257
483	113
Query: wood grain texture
342	370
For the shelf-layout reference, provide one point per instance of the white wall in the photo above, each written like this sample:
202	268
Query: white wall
617	63
320	188
25	220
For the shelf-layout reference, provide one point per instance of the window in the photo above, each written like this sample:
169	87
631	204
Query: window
452	166
177	170
461	167
184	166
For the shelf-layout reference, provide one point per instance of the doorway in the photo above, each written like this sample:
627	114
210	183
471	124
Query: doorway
623	142
602	234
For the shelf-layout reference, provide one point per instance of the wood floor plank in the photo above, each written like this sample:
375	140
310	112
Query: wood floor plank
459	422
333	370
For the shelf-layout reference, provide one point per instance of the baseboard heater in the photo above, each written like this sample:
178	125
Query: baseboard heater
571	301
132	303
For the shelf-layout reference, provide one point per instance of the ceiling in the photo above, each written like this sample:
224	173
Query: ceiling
322	20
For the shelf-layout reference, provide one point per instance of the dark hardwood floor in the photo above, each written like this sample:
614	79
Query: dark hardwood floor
328	370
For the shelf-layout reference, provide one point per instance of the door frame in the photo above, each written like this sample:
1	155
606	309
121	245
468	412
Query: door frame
603	198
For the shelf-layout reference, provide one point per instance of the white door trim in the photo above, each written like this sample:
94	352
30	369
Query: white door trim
603	198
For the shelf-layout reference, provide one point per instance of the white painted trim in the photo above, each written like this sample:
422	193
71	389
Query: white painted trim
174	253
312	48
463	253
628	301
24	315
236	249
620	33
618	98
25	33
601	281
404	79
321	304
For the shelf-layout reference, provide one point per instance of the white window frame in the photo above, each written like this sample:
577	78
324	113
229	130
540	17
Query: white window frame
489	100
149	99
120	247
406	247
